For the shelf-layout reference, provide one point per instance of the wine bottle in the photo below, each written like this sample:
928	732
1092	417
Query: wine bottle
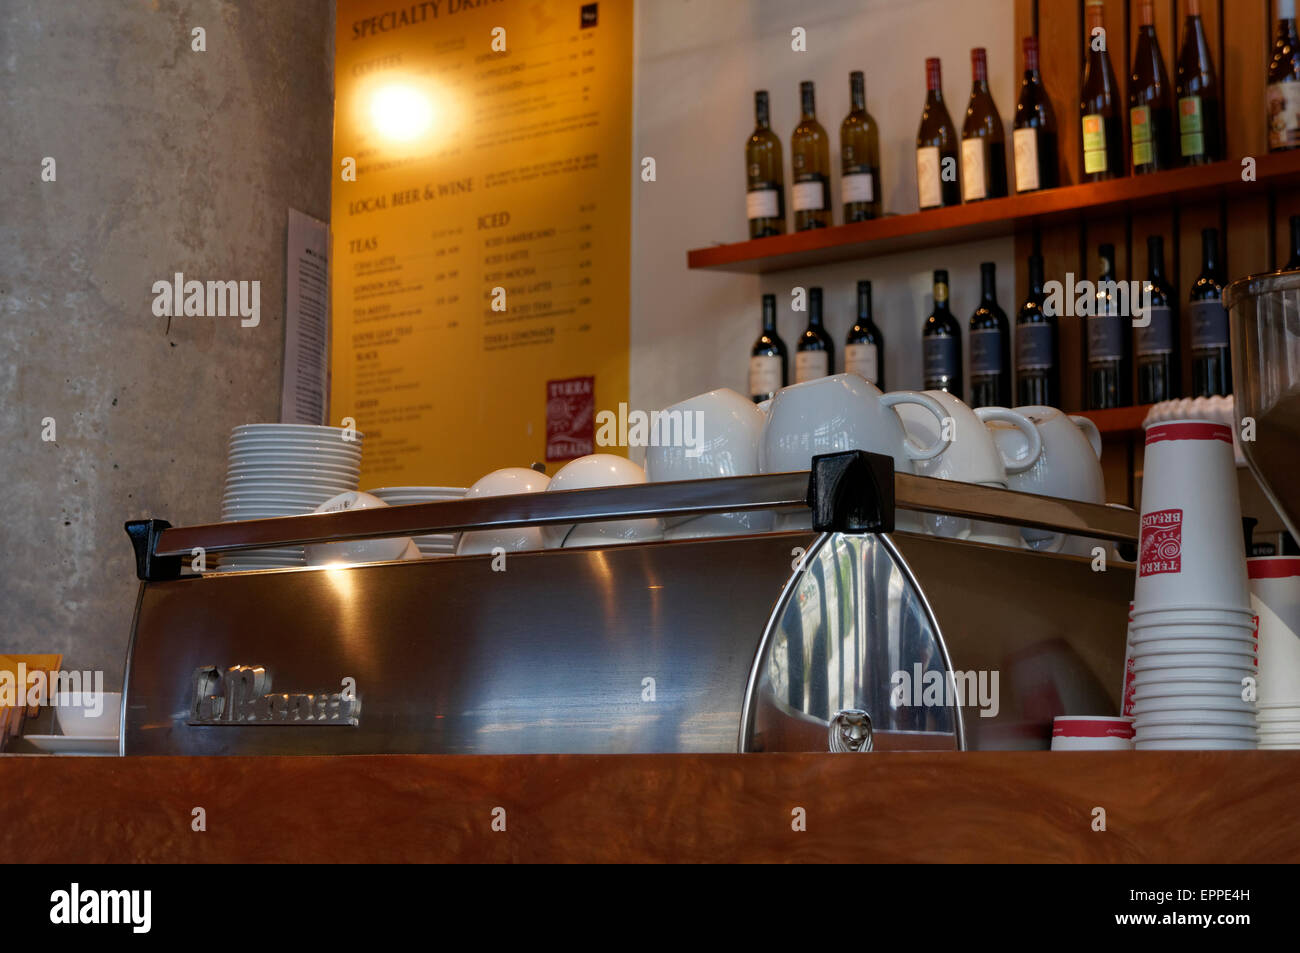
1284	82
983	145
765	195
936	146
810	151
864	349
1198	94
1110	347
859	156
1293	263
1103	135
1211	358
815	355
941	343
1150	101
768	367
990	346
1159	358
1034	139
1038	364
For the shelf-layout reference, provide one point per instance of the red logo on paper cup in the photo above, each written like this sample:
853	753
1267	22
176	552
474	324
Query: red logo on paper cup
570	418
1162	542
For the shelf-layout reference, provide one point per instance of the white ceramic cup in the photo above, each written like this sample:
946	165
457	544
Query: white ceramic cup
588	473
1068	466
508	481
842	412
971	457
725	428
1190	552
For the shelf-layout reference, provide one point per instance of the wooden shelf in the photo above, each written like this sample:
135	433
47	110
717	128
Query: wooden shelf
1119	422
992	218
982	806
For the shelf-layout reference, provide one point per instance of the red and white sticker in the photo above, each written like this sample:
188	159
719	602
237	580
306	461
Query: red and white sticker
1161	547
570	418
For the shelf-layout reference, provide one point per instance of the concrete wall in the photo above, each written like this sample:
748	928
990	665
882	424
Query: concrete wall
167	160
698	63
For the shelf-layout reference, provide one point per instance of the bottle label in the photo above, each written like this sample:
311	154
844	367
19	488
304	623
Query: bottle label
1284	115
810	194
1209	325
1105	337
1034	347
764	375
1094	143
810	365
1158	336
1139	122
860	359
940	292
939	358
1025	143
858	187
763	203
1191	126
985	351
928	185
973	184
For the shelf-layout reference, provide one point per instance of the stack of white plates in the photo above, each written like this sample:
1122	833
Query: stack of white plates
437	544
284	470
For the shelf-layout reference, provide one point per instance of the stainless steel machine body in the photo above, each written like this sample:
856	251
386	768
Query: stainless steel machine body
655	647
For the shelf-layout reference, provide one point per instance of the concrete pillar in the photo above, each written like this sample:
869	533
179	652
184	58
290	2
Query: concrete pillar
166	160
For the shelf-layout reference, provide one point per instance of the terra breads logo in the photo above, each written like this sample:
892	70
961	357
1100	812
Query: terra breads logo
570	418
1162	542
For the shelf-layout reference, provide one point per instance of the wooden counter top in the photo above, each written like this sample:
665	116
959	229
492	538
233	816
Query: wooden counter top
978	806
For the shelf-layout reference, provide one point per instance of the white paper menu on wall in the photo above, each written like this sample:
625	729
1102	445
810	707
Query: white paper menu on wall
305	384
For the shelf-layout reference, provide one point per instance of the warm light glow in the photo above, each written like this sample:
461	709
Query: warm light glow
401	112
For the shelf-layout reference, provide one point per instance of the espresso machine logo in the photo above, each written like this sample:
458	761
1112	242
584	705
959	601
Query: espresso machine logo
241	695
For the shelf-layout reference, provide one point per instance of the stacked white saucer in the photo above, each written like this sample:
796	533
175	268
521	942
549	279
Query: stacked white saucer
1275	597
435	544
1192	634
284	470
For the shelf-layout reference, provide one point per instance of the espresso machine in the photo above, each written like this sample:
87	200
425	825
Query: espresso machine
848	637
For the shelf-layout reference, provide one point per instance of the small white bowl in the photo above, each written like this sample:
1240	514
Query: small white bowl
588	473
355	550
505	482
75	713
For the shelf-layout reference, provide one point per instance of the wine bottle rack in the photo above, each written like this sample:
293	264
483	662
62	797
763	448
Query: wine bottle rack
996	217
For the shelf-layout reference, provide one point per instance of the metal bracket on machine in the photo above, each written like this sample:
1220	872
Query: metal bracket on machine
852	492
144	540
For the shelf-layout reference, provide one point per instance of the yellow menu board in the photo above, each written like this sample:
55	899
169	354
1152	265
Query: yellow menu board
481	230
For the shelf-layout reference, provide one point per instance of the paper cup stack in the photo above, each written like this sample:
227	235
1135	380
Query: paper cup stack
1275	597
1193	632
284	470
435	544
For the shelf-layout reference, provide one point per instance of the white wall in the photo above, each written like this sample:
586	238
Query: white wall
698	63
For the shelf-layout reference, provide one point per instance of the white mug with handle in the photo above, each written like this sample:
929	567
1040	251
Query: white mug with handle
1068	466
837	413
